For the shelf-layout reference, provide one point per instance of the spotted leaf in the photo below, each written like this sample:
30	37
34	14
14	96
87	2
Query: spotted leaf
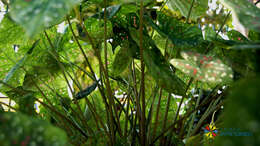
198	58
216	71
35	15
203	67
187	67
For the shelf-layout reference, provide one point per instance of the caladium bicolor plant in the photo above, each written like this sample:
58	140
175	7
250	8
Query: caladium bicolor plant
246	12
203	67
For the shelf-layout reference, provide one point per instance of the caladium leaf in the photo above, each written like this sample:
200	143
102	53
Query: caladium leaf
203	67
216	71
122	60
199	7
236	36
246	12
181	35
158	67
161	72
36	15
187	67
196	57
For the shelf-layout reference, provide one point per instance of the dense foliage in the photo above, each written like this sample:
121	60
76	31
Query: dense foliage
136	72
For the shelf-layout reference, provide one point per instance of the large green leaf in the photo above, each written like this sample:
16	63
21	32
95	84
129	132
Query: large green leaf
157	66
160	70
181	34
18	129
35	15
122	59
199	7
248	14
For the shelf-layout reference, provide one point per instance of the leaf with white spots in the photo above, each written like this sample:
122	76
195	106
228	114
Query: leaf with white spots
196	57
246	12
216	71
203	67
36	15
187	67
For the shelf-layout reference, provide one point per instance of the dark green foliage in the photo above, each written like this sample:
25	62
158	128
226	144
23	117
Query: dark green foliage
122	60
181	34
28	131
241	113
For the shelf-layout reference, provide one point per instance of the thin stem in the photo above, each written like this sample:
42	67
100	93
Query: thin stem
9	106
143	127
157	114
166	114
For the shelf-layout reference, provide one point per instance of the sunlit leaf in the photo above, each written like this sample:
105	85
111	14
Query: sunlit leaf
36	15
199	7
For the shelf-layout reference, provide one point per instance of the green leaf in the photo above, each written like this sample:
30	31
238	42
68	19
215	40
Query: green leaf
36	15
236	36
16	74
24	98
181	34
10	33
87	91
29	131
95	28
248	14
157	66
161	71
199	7
122	60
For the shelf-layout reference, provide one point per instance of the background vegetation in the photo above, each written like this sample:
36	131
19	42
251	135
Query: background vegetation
129	72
